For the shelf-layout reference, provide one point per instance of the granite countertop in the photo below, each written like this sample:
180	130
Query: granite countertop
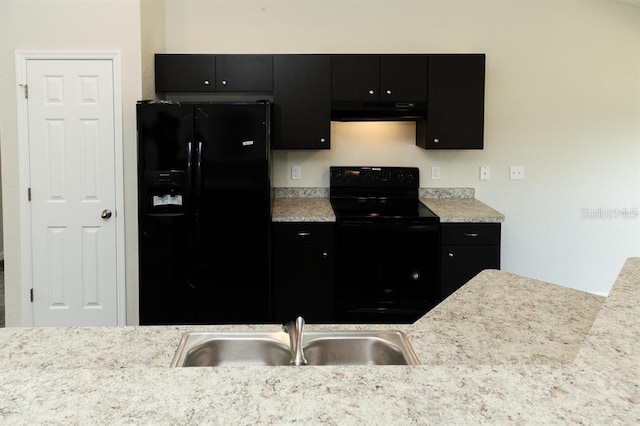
458	205
504	349
450	204
302	209
462	210
302	205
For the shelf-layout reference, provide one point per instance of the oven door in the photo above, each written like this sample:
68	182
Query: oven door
386	272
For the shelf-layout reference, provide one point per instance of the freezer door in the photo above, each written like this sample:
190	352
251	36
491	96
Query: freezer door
166	293
163	131
233	212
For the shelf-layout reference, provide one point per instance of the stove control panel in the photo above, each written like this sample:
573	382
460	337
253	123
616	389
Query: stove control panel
374	177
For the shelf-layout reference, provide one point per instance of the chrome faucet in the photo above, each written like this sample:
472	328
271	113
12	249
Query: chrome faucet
294	329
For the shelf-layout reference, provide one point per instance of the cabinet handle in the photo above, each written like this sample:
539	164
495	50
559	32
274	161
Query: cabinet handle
303	233
471	234
323	140
206	82
224	82
388	91
450	254
371	92
436	140
325	254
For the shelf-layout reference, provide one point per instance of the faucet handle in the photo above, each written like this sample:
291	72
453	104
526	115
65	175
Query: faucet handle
294	329
296	324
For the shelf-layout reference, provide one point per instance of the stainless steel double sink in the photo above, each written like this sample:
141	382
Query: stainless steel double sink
374	347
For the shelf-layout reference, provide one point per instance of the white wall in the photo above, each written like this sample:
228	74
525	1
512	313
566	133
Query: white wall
66	25
152	16
562	100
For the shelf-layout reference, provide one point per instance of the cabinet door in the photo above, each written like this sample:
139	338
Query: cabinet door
302	271
185	73
302	279
403	78
455	110
244	73
467	249
461	263
301	102
355	78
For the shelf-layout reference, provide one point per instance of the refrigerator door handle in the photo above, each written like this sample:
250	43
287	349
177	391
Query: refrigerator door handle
189	168
198	181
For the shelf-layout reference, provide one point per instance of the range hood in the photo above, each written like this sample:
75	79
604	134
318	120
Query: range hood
378	111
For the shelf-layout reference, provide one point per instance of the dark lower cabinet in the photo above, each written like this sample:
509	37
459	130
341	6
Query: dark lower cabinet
302	271
467	249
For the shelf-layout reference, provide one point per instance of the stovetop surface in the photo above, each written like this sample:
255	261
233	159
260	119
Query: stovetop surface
378	193
416	211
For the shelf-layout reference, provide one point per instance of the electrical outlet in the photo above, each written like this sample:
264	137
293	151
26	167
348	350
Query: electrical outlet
484	173
295	172
435	172
516	173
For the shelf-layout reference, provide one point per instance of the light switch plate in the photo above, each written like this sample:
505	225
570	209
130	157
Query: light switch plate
516	173
485	173
295	172
435	172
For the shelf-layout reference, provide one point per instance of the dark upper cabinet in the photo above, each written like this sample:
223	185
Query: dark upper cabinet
455	107
213	73
445	91
185	73
301	102
244	73
378	78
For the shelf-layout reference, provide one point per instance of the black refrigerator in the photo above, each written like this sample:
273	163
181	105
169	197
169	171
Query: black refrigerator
204	212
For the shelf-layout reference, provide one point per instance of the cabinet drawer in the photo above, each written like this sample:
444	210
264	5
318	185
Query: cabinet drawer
470	233
302	233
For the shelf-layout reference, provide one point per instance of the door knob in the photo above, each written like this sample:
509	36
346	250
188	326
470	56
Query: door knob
106	214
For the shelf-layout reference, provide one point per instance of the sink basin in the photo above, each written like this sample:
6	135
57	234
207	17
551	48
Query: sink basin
203	349
359	348
213	349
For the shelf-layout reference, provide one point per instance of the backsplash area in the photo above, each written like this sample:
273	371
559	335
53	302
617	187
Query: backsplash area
322	192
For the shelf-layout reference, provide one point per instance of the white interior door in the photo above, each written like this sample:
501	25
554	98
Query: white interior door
71	134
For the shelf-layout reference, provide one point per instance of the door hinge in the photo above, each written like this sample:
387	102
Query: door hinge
31	295
26	90
28	194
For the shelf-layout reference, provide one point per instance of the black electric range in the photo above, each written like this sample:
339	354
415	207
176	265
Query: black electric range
387	245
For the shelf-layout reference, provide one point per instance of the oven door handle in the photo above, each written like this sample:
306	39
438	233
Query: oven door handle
390	226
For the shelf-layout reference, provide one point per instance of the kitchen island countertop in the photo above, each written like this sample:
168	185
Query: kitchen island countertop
503	349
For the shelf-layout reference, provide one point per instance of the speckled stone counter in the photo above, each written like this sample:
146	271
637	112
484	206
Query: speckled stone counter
458	205
504	349
302	205
450	204
305	209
